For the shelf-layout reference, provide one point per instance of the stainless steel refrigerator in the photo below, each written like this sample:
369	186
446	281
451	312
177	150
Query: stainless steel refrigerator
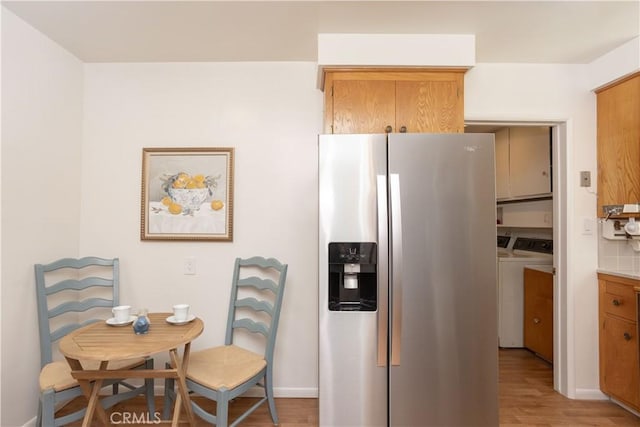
407	280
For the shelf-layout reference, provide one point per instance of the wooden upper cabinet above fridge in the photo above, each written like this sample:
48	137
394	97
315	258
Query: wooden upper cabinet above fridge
399	100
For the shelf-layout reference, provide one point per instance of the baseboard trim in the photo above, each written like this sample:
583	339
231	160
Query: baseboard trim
590	394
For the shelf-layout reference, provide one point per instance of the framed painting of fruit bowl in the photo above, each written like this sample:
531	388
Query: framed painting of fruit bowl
187	194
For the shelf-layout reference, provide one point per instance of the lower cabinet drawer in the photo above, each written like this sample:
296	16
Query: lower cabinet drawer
620	300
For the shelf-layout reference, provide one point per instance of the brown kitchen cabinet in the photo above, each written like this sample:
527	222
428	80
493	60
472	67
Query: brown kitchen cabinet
619	351
538	312
618	133
523	162
393	100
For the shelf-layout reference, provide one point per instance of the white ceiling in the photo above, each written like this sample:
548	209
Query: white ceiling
506	31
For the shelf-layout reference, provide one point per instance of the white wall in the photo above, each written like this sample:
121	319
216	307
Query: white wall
271	113
41	145
534	92
621	61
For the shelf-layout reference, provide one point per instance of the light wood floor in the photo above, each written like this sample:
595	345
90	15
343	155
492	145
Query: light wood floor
526	398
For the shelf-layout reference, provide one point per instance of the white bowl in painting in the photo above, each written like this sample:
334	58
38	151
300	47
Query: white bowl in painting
190	199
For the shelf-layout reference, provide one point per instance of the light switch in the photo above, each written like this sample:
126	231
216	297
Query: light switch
190	265
587	226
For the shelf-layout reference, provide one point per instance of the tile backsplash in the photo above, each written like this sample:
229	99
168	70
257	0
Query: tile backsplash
616	255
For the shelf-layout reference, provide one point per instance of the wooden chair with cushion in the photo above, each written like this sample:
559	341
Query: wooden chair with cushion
226	372
70	293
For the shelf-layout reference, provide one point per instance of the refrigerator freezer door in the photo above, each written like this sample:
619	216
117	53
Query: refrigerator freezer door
352	387
447	374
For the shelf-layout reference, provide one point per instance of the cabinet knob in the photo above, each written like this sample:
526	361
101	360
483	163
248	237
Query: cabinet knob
536	320
388	129
627	336
403	129
615	302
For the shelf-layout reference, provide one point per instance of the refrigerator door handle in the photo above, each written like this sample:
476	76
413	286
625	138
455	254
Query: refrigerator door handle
383	270
396	268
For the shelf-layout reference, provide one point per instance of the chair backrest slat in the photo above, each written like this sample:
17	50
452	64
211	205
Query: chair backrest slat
78	285
274	281
258	283
78	263
79	306
62	281
261	262
250	325
253	303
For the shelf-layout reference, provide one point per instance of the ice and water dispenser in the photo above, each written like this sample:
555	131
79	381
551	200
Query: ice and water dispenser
352	276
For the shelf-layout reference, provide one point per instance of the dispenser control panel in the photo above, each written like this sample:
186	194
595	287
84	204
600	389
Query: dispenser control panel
352	253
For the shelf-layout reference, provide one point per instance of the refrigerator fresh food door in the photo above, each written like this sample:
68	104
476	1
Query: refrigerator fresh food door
352	344
444	341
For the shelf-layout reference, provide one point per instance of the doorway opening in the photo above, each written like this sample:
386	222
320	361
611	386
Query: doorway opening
539	214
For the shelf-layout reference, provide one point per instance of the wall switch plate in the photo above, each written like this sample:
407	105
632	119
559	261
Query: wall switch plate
190	265
585	179
588	225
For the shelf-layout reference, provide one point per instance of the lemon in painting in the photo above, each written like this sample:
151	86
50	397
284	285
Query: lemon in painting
166	200
216	205
181	180
175	208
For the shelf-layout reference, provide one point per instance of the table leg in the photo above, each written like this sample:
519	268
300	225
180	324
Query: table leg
92	393
182	397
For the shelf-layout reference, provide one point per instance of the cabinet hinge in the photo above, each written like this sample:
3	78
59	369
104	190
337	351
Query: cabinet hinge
331	128
331	90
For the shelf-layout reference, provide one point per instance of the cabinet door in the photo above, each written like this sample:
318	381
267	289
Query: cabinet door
538	313
430	106
619	144
619	351
502	164
363	106
530	161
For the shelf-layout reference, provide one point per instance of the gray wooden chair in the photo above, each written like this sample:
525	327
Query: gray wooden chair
70	292
225	372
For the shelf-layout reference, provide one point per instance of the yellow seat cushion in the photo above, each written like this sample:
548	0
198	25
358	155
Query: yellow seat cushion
57	375
226	366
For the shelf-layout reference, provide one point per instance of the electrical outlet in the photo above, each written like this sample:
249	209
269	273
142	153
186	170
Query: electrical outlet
190	265
585	179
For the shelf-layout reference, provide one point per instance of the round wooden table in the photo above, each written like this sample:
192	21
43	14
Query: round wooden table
105	343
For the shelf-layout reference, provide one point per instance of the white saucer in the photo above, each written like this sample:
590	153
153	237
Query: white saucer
113	322
173	321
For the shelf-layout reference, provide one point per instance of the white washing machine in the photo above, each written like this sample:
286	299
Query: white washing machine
511	264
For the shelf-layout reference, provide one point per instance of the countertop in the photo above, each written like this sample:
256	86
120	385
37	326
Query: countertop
628	274
543	268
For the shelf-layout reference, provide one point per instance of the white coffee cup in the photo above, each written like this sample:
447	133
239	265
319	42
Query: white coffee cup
121	313
181	312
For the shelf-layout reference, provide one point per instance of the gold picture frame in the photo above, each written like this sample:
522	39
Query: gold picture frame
187	194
